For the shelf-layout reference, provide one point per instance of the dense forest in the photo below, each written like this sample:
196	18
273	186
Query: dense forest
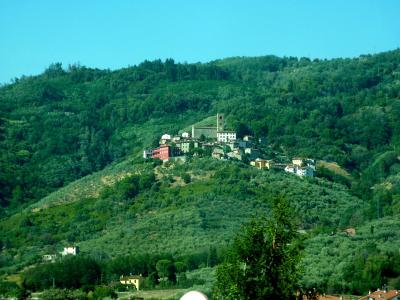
67	123
71	169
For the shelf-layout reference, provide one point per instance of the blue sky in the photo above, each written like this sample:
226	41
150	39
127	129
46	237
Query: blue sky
117	33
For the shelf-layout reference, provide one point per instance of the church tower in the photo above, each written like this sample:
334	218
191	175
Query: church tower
220	122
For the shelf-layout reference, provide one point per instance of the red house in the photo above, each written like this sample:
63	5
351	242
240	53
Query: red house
163	152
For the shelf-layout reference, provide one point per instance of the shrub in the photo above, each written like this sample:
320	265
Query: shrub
101	292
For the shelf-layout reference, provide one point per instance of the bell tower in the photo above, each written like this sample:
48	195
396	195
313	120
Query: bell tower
220	122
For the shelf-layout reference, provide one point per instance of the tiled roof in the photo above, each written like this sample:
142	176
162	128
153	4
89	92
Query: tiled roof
382	295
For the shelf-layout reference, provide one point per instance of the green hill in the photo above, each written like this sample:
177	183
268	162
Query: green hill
65	124
71	170
168	215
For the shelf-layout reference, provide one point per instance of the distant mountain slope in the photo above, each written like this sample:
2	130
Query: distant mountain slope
168	215
71	170
65	124
340	259
89	186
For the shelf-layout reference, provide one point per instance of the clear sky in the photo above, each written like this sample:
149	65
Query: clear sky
117	33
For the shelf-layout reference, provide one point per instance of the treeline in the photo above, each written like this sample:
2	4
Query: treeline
181	203
84	272
371	270
67	123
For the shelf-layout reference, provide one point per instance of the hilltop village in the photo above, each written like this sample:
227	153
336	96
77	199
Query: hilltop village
221	143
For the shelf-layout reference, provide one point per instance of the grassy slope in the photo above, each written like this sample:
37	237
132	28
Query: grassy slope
333	167
327	255
174	218
181	218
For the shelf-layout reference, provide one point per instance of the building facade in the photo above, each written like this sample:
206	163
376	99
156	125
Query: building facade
208	132
131	280
147	153
226	136
163	152
70	250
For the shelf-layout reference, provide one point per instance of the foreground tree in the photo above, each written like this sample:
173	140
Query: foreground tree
263	263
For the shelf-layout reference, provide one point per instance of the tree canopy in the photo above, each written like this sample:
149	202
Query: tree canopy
263	263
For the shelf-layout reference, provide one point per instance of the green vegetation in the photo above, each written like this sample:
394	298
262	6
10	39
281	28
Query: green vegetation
165	216
71	171
339	263
64	124
263	263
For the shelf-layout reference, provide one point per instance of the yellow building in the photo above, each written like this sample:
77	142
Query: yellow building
262	163
131	280
297	161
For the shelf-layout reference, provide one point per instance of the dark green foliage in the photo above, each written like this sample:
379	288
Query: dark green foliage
242	130
146	181
332	176
186	178
156	269
63	294
101	292
65	124
71	272
166	270
264	260
129	187
371	269
337	263
9	289
168	217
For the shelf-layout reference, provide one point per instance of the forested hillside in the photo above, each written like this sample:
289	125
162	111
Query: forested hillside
71	170
67	123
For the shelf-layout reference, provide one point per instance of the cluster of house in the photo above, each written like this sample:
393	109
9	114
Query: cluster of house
70	250
223	144
299	166
201	137
379	294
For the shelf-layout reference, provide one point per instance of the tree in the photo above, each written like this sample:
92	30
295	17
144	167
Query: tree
162	268
102	292
263	259
186	178
242	130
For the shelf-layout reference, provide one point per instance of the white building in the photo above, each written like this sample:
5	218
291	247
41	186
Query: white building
165	138
71	250
301	162
305	172
49	257
247	138
226	136
147	153
185	135
176	139
290	169
300	171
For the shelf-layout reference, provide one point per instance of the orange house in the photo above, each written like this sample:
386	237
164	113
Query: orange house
163	152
